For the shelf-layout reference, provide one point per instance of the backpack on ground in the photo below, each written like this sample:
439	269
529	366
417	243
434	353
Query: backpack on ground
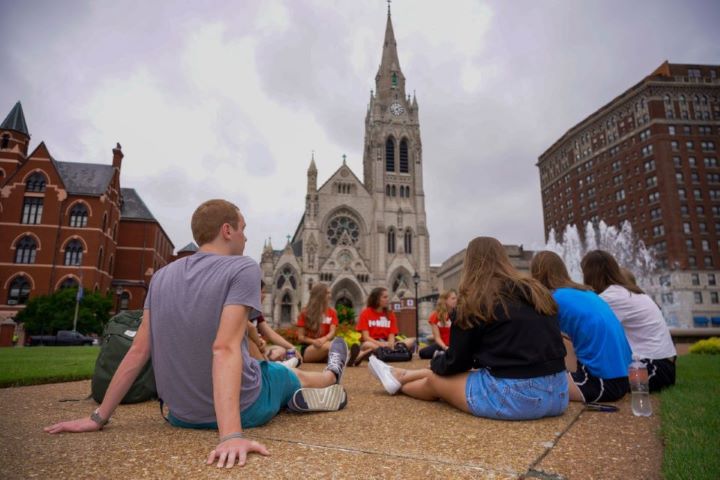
117	338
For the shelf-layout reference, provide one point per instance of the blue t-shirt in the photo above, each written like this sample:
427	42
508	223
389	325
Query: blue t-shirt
596	333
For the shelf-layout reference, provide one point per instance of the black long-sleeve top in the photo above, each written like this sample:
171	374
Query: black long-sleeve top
520	344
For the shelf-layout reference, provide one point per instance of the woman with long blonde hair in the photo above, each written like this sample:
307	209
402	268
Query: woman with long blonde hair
507	329
316	325
440	322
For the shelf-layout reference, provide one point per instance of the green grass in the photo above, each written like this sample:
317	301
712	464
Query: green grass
691	420
35	365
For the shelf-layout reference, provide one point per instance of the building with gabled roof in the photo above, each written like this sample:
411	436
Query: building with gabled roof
66	223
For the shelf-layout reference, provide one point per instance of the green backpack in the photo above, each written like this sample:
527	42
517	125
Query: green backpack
117	338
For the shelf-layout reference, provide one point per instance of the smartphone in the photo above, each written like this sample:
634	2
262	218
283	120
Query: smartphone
600	407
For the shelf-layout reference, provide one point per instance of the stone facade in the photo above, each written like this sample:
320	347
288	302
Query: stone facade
355	234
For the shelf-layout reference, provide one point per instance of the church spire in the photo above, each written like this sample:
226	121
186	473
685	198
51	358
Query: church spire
389	78
16	120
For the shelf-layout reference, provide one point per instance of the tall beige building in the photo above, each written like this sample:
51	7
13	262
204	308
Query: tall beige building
359	234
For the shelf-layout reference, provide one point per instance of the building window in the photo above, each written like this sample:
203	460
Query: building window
74	252
707	260
698	297
677	162
344	230
690	145
100	259
390	155
5	141
690	244
286	309
692	261
408	241
69	282
687	228
671	129
711	162
25	250
32	211
654	197
651	182
695	279
714	297
674	146
110	265
19	291
387	190
124	300
711	279
393	191
286	276
35	183
391	240
404	162
79	215
658	230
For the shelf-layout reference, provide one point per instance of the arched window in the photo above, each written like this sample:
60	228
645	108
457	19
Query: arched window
391	240
402	191
19	291
404	163
408	241
5	141
407	192
342	230
35	183
74	252
79	215
32	210
390	155
286	309
25	249
104	223
286	276
387	190
100	259
393	191
124	300
114	232
399	282
69	282
110	265
394	79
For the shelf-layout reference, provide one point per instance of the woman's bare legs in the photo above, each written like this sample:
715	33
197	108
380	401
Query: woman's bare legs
423	384
365	350
315	379
314	354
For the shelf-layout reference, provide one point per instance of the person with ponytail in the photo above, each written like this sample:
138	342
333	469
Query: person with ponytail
316	325
506	357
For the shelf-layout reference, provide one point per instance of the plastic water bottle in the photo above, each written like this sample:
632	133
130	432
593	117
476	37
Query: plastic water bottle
290	354
639	388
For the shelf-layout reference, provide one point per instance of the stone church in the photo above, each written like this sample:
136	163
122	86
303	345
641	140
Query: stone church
356	234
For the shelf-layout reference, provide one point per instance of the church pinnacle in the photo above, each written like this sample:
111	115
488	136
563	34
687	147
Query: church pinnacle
389	77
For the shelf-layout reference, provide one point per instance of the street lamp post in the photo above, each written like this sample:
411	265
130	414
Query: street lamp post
416	281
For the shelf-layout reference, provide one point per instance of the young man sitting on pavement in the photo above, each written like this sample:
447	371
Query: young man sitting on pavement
194	326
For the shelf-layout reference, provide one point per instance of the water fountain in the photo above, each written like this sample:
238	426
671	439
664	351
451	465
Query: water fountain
628	250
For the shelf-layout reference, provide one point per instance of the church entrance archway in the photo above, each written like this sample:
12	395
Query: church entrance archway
349	294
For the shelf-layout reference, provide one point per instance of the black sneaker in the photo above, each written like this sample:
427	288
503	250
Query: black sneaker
354	352
337	357
328	399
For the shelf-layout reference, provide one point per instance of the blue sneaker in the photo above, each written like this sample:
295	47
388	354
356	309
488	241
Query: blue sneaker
338	357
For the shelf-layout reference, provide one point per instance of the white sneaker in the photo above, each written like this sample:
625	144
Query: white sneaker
291	362
383	372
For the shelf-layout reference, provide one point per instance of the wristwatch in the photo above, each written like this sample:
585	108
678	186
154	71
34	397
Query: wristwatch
95	417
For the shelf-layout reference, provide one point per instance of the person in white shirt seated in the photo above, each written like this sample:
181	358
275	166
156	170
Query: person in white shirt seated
644	325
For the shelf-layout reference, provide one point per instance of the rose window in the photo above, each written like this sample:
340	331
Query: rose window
343	231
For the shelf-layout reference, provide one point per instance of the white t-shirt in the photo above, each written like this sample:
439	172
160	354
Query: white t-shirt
644	325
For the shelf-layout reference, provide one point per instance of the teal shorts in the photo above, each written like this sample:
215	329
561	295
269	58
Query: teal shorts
278	385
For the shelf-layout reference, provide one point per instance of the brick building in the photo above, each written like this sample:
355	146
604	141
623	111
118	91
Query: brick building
650	157
66	222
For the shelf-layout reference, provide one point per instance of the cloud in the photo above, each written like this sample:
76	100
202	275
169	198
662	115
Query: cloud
229	99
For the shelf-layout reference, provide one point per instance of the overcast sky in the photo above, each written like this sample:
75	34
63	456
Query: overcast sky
228	99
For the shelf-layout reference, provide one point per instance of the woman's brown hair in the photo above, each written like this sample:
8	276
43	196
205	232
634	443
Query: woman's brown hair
600	270
488	279
441	308
548	268
373	300
316	307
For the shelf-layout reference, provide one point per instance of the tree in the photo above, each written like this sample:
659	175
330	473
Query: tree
49	313
345	314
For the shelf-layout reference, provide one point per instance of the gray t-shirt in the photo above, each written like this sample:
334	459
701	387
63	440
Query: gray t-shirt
185	300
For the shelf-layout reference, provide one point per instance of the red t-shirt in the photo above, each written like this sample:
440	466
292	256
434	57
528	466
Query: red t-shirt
330	319
444	331
378	324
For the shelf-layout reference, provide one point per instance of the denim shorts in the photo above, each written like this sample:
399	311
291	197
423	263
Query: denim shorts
278	385
516	398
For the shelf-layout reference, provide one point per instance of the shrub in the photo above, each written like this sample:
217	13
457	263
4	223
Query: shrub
288	333
348	333
708	346
346	315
